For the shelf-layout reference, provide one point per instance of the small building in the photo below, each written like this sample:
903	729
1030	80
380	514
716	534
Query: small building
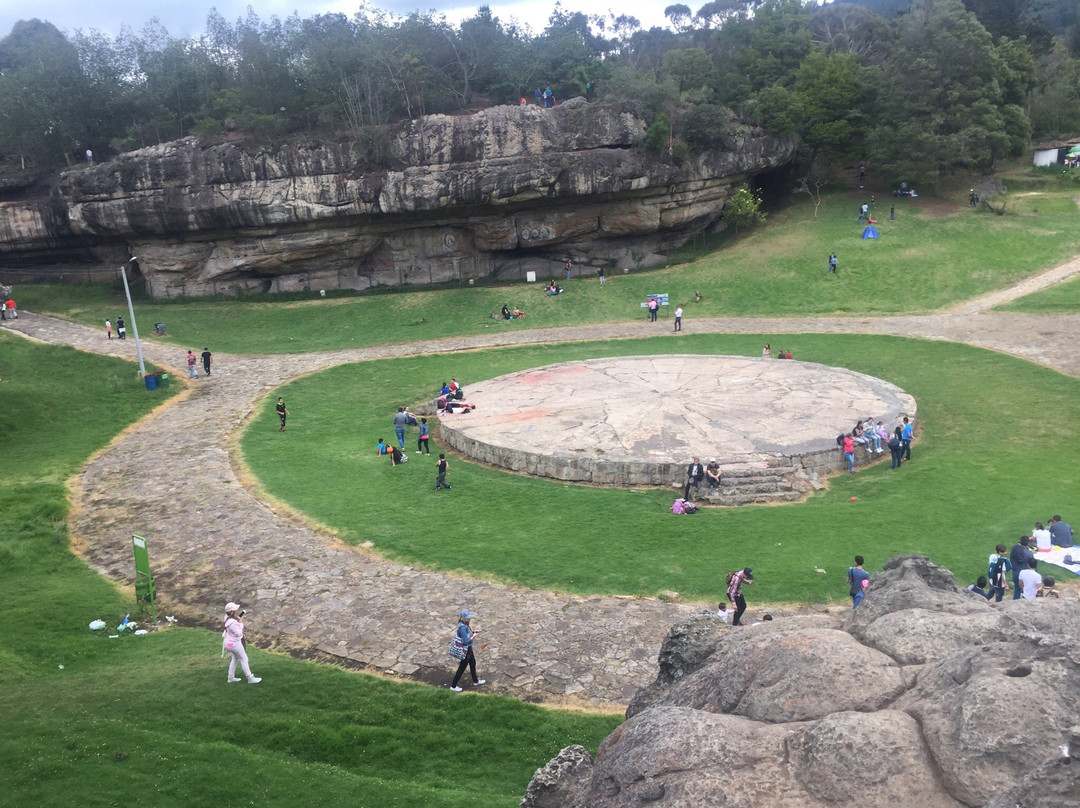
1054	153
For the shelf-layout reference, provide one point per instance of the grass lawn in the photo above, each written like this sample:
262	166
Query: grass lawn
90	721
993	456
934	254
1061	299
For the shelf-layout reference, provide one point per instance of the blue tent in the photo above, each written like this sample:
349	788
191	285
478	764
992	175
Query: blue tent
870	232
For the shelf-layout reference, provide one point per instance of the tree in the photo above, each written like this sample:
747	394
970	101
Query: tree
1055	104
689	68
942	101
40	91
830	92
743	208
680	16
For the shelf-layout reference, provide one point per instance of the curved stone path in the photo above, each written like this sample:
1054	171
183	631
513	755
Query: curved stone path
169	478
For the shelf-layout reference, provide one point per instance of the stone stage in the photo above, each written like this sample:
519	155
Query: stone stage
639	420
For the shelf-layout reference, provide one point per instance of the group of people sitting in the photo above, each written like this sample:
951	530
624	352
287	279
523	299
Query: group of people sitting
516	314
766	353
1021	562
696	474
870	435
452	399
553	288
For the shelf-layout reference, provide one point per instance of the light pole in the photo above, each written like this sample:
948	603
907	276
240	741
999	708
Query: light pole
131	313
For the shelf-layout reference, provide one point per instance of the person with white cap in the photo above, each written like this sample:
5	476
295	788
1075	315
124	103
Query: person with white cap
232	640
465	636
713	473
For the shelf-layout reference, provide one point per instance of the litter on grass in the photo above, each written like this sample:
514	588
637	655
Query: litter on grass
97	625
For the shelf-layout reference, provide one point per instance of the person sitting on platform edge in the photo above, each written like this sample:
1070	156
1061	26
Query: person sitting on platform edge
713	473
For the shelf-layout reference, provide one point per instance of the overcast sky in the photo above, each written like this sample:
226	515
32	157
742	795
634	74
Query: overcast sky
188	17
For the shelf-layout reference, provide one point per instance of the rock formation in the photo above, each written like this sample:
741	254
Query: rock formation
500	193
926	695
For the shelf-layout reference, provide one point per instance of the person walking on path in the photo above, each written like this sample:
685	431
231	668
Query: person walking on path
422	439
441	467
832	263
232	640
858	579
206	360
282	412
906	436
995	573
192	367
1019	556
678	318
108	328
464	637
401	420
734	591
121	331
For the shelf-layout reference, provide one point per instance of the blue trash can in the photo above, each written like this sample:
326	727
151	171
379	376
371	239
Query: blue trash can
151	380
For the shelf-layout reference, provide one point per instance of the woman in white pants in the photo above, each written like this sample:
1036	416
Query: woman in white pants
233	642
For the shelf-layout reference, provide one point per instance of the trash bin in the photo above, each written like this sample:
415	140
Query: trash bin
163	381
151	380
160	328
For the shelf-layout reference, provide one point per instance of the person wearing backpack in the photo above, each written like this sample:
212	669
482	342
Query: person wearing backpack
995	573
735	582
857	579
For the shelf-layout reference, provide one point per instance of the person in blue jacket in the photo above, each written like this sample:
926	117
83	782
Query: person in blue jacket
465	634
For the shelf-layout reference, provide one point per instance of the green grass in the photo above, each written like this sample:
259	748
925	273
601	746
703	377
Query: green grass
151	719
934	254
993	456
1064	298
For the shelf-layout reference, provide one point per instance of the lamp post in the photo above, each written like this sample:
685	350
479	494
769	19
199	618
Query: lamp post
131	314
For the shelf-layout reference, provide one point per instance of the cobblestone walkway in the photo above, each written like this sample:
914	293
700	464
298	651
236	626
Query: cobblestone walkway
169	478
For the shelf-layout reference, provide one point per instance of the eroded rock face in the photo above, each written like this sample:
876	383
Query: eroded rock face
926	695
500	193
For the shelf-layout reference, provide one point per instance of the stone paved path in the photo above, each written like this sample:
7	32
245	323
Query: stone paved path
169	478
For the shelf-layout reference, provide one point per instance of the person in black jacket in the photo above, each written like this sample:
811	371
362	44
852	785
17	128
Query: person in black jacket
695	473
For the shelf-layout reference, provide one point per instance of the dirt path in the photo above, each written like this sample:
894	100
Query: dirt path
169	478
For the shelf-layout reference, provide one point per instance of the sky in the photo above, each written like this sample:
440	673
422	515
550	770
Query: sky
188	17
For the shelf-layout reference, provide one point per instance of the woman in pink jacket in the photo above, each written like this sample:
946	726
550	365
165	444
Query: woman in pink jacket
233	642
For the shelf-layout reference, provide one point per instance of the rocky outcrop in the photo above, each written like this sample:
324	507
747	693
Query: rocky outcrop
500	193
926	695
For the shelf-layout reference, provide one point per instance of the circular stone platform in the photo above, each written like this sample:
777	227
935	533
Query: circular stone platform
639	420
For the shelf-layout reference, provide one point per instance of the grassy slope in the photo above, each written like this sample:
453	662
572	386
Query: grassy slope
991	459
1061	299
132	717
932	255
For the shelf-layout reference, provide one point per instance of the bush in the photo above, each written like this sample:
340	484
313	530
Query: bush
656	136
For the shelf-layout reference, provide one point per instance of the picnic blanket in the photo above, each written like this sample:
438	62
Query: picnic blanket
1056	555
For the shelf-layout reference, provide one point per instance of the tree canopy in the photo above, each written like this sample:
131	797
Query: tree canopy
922	89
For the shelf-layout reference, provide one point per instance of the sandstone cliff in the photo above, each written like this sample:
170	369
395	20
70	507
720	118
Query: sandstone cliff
926	695
496	194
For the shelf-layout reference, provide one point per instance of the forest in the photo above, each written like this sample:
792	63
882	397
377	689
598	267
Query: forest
920	90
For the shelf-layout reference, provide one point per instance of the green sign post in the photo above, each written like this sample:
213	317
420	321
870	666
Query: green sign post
144	581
